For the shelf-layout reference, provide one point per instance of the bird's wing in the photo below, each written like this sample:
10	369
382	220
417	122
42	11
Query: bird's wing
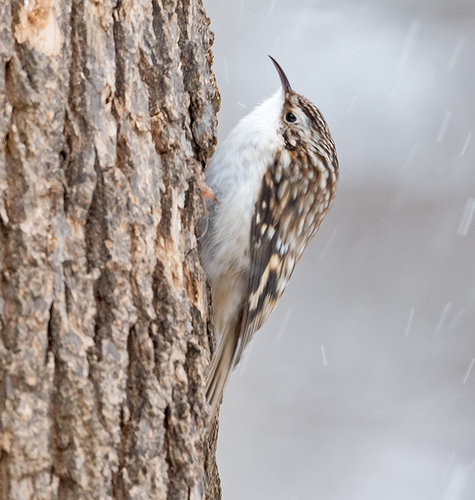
275	247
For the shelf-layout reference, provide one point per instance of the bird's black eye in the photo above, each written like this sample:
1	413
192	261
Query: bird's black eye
290	118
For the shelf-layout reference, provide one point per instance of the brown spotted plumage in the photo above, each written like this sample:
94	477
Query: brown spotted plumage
274	179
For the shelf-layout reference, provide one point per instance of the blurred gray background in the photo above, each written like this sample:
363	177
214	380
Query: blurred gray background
360	386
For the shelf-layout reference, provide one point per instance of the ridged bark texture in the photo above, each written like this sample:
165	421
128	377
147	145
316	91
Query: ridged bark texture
107	119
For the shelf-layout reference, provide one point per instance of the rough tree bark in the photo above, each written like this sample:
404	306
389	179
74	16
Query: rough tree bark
108	115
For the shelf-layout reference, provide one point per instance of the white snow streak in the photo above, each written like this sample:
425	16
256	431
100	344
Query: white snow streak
443	126
456	54
272	7
352	103
411	38
410	157
465	146
327	246
451	400
324	356
467	217
409	322
447	469
284	325
443	317
470	366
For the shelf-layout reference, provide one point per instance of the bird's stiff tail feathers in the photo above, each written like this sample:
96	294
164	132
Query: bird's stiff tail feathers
221	366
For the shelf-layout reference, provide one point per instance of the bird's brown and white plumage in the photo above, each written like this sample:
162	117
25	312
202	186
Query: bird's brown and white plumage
274	178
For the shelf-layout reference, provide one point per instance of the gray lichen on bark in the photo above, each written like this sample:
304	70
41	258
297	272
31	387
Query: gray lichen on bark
108	116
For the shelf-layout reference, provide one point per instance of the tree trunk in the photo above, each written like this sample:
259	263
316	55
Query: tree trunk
108	116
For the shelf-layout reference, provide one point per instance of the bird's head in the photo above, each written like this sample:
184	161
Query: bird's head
301	123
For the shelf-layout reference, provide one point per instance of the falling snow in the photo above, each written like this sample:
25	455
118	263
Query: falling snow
364	373
410	157
284	325
469	370
443	318
350	107
329	244
465	146
467	217
456	54
408	46
324	356
443	126
409	322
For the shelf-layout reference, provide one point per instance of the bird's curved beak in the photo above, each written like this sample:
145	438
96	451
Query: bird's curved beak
285	82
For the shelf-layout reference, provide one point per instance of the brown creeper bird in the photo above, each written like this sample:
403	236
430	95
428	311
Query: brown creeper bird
274	178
